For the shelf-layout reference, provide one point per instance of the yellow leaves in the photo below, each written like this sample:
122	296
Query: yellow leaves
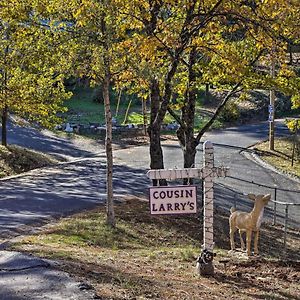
30	60
84	12
293	124
176	106
295	99
286	71
137	52
13	10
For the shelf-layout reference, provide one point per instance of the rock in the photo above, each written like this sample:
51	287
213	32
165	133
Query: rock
172	126
68	128
84	286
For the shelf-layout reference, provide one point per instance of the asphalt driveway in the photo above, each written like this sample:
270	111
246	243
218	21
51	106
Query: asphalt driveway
40	195
32	199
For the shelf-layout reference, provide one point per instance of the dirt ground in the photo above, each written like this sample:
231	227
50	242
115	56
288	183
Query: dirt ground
154	257
15	160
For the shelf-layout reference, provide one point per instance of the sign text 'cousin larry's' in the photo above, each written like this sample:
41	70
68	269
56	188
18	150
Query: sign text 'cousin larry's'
173	200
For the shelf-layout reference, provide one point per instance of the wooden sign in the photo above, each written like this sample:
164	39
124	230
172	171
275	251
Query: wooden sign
182	199
169	200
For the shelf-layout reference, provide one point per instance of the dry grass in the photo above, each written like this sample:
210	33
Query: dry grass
281	157
15	160
149	257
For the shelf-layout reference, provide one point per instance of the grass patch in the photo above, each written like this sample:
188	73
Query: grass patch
135	118
16	160
281	157
200	121
84	110
153	257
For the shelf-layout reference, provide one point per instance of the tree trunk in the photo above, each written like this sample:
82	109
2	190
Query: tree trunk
159	107
4	125
110	214
185	133
110	220
156	153
206	96
189	148
118	103
127	112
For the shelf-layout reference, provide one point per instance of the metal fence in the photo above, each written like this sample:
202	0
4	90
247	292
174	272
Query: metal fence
285	213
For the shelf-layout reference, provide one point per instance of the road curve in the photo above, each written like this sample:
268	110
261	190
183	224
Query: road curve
34	198
43	194
230	145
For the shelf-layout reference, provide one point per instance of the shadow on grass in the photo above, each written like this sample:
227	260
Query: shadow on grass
130	282
100	235
137	229
260	276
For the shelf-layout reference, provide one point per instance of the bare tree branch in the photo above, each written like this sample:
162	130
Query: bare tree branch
176	117
233	91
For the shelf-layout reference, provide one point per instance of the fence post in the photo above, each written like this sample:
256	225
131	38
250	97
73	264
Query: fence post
202	186
294	143
285	227
275	206
205	261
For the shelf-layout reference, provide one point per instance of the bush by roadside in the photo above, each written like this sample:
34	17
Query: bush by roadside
281	157
16	160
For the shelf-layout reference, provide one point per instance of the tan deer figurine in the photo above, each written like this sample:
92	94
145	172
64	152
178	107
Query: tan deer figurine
248	222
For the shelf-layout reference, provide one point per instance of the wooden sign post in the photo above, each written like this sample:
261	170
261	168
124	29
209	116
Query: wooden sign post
207	174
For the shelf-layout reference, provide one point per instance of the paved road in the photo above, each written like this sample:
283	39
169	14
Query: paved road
61	146
23	277
31	199
36	197
56	191
80	183
228	145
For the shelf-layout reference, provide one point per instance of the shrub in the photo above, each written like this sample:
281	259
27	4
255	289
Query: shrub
230	112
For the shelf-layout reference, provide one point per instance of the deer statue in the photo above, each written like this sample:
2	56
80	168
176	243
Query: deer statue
248	222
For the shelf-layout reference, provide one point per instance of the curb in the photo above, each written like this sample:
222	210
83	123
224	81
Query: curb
254	157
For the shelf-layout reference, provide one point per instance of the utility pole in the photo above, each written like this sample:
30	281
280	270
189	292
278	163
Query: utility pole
272	108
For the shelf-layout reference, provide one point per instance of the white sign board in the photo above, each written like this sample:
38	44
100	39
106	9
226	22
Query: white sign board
271	108
169	200
271	117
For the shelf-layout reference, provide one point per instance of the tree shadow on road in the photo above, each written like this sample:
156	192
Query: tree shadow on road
44	194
